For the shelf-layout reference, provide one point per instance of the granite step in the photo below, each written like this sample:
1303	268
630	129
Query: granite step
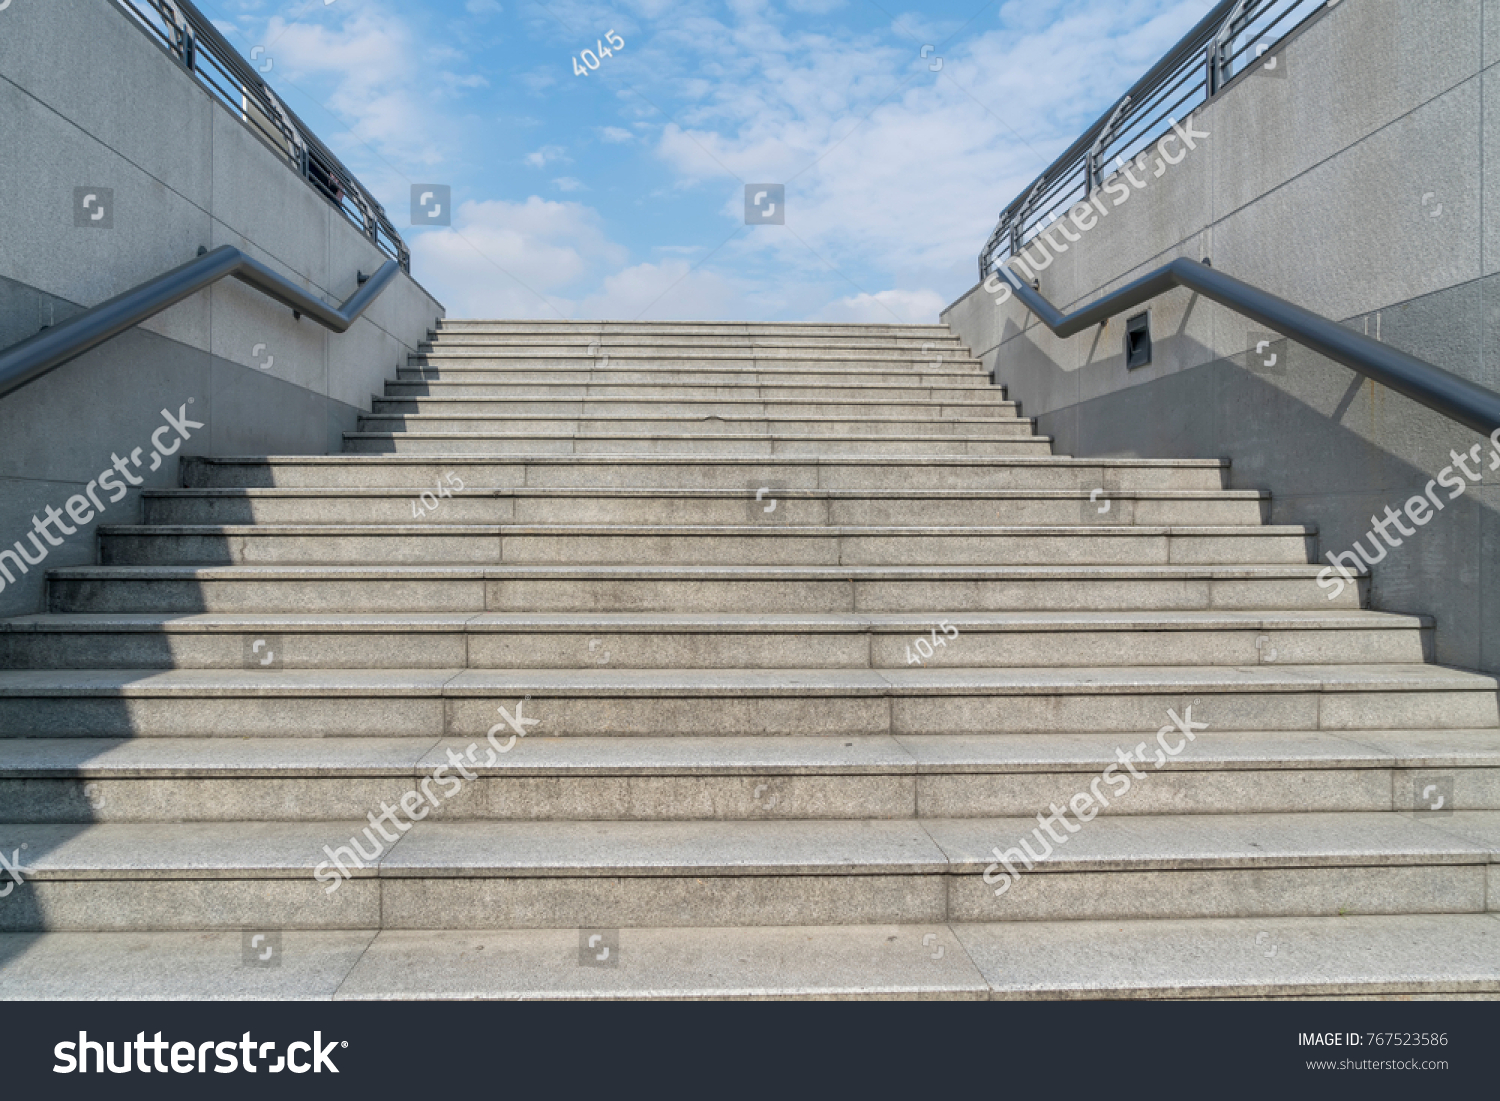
811	471
453	501
1429	773
510	640
700	544
155	589
1327	958
618	875
609	702
703	424
743	444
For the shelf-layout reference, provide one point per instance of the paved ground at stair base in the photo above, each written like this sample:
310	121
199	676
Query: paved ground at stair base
1391	957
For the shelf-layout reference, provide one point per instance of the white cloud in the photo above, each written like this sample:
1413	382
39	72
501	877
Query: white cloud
893	171
523	259
544	156
390	87
669	291
893	307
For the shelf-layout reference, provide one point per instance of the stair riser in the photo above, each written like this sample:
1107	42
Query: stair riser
357	596
707	425
475	508
437	903
1240	892
788	548
672	409
931	351
542	388
600	349
693	329
717	650
707	900
408	444
807	474
410	714
910	362
294	798
589	345
854	378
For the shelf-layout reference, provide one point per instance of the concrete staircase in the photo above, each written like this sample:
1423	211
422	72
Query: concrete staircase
810	622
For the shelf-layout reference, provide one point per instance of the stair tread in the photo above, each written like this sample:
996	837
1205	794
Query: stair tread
716	437
404	492
558	378
1087	571
842	847
1261	957
630	799
1083	752
692	417
768	622
780	531
727	460
867	683
1433	954
668	401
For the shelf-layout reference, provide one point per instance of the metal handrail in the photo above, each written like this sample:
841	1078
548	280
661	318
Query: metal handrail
189	37
51	348
1455	397
1193	72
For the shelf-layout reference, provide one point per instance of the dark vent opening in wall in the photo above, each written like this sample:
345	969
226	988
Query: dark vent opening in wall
1138	341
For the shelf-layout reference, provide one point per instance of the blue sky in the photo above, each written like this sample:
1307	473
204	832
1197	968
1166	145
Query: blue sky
620	194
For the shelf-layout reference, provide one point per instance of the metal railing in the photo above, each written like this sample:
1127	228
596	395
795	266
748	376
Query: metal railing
1455	397
52	347
183	31
1225	42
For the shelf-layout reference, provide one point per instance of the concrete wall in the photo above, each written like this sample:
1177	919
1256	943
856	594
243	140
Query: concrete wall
89	101
1353	183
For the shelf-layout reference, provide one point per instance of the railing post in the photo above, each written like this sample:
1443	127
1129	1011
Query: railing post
1093	164
182	30
185	42
1218	62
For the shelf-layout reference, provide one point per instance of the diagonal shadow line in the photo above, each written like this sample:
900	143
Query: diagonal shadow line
1355	385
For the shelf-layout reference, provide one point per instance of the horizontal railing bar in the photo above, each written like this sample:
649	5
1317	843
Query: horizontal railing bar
231	80
51	348
1455	397
1200	65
